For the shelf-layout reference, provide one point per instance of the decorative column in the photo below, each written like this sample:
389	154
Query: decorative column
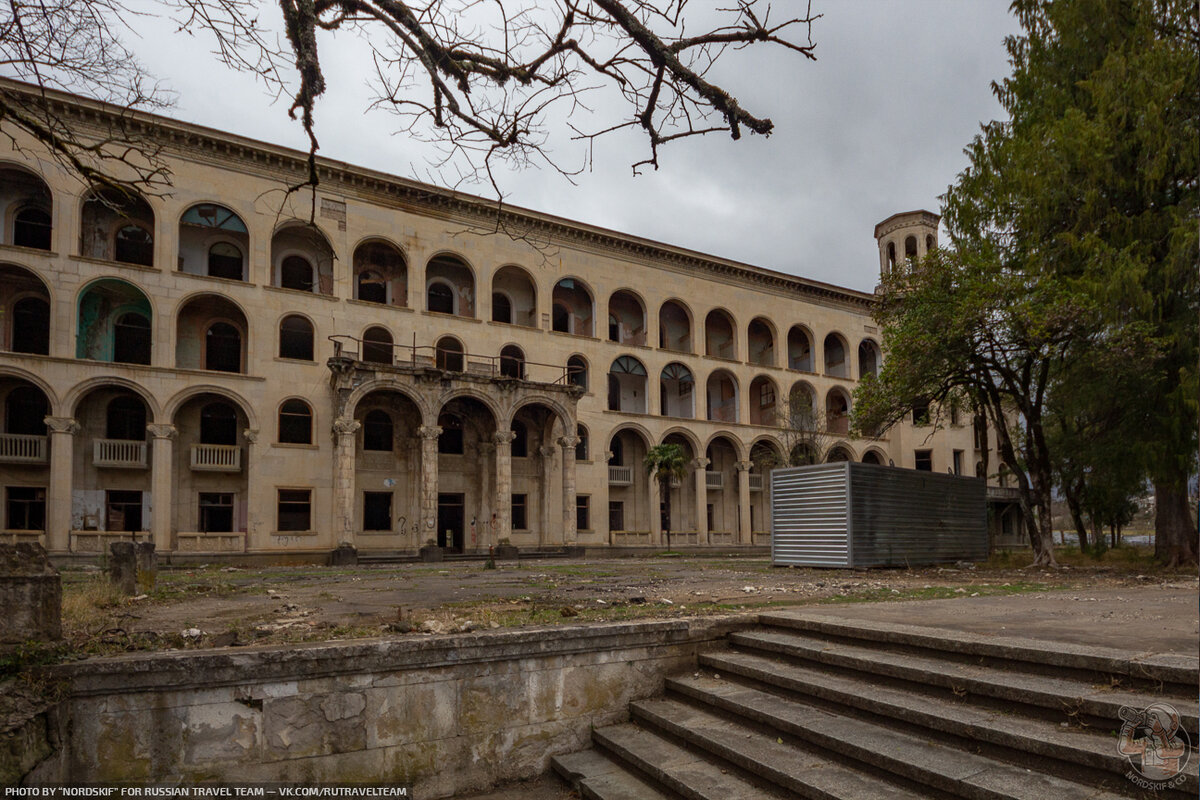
344	430
256	504
162	480
62	432
745	535
568	444
547	454
429	482
700	465
503	441
482	533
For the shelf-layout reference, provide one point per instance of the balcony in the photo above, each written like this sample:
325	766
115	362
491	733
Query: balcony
119	454
17	448
1004	494
620	476
216	458
756	482
714	480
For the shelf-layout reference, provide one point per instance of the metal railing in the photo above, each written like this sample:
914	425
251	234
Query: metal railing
756	482
123	453
714	480
431	356
620	476
19	448
216	458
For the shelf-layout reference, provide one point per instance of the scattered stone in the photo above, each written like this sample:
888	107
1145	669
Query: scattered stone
666	602
960	590
974	594
431	626
466	626
749	589
493	625
400	626
191	633
567	611
601	602
227	639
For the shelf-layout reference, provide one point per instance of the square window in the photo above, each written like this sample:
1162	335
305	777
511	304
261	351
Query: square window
583	520
924	459
295	510
519	520
123	511
26	509
616	515
216	512
377	511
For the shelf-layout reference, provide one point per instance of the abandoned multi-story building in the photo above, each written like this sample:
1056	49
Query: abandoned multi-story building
226	368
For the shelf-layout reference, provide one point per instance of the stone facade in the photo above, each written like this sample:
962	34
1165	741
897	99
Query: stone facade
230	369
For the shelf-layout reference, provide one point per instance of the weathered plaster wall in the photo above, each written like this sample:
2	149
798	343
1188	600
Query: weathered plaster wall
447	713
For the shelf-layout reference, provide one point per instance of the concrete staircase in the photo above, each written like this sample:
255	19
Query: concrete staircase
820	707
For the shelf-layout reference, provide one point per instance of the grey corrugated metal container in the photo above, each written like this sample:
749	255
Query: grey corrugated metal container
849	514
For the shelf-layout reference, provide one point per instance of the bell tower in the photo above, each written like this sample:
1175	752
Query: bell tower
905	237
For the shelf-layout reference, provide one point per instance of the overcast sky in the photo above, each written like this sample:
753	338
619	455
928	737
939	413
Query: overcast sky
875	126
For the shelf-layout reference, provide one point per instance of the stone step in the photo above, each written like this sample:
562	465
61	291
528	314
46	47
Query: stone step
597	777
1075	746
802	772
689	773
1182	671
1072	697
939	766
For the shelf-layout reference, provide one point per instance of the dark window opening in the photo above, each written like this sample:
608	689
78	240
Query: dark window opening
225	261
924	460
223	348
501	308
451	440
921	412
614	329
216	512
377	431
616	515
910	247
958	462
294	510
125	419
377	346
26	509
218	424
123	511
131	339
295	423
520	443
583	517
135	245
512	362
440	298
560	319
296	339
377	511
519	520
577	372
31	228
449	355
581	449
31	326
891	255
296	273
618	453
371	287
25	412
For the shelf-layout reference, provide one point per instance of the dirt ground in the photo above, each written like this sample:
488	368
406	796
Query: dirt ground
215	606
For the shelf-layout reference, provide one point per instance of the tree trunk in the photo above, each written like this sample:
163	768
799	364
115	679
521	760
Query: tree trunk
1041	532
1071	494
1174	529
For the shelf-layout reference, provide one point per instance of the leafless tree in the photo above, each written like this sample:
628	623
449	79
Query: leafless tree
806	435
489	81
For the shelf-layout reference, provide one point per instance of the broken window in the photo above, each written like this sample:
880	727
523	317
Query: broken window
577	372
296	338
381	275
450	286
377	346
134	245
123	511
131	339
225	261
296	273
519	521
216	512
616	515
512	362
924	460
294	511
26	509
31	326
213	241
223	348
441	298
295	422
581	447
377	511
449	354
501	308
32	228
920	413
583	521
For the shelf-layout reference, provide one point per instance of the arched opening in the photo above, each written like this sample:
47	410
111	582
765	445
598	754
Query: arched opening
930	244
837	411
764	457
760	339
722	489
763	401
466	474
572	308
388	470
836	362
674	327
114	323
295	422
25	412
718	335
628	489
26	203
582	452
577	372
512	362
722	397
125	418
868	358
25	310
211	479
838	454
799	349
891	257
112	461
803	454
218	423
296	338
380	274
211	334
872	457
449	287
677	391
910	248
626	319
627	386
802	410
377	345
302	259
449	354
682	522
117	226
213	241
514	298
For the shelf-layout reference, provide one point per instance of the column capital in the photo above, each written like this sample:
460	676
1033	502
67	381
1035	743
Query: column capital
547	451
504	437
161	430
251	435
345	426
569	442
428	432
67	425
700	463
745	466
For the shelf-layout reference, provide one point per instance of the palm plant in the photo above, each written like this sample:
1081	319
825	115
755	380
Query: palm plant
664	462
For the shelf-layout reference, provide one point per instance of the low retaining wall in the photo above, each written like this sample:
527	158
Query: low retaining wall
447	714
